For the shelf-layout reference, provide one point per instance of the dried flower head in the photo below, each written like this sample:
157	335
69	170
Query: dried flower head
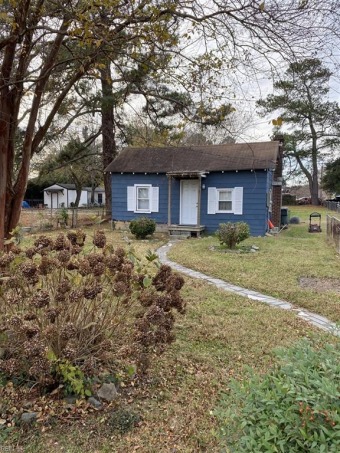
94	259
47	265
99	269
81	236
155	314
84	267
122	288
114	263
61	242
30	330
72	237
64	286
30	317
6	259
120	252
75	295
41	370
177	301
64	256
75	249
174	282
146	298
60	298
91	291
15	322
164	301
51	333
52	314
42	242
68	331
160	279
127	269
34	347
69	352
99	239
29	271
10	366
30	252
40	299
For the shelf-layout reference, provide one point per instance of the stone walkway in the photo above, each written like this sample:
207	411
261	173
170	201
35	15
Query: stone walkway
312	318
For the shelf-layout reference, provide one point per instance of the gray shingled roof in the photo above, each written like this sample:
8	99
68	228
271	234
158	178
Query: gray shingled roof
73	187
238	156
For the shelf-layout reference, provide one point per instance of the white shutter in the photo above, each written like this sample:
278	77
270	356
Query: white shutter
131	198
154	199
212	200
238	200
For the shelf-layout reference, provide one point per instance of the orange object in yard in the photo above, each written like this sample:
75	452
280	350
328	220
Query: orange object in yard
270	224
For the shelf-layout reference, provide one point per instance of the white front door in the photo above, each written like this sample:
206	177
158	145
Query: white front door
189	202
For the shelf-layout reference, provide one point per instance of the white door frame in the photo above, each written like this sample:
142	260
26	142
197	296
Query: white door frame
181	201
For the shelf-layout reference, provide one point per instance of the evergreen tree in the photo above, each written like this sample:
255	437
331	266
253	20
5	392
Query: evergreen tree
311	118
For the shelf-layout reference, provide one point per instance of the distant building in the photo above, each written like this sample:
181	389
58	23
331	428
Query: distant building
64	195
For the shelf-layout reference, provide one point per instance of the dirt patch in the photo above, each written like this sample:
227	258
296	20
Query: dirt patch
320	284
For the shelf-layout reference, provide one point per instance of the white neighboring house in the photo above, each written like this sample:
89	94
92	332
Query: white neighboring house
62	195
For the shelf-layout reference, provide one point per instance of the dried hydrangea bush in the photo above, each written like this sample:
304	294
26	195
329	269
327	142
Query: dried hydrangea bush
92	310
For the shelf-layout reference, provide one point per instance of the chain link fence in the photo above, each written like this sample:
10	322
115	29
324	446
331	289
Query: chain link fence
333	231
332	205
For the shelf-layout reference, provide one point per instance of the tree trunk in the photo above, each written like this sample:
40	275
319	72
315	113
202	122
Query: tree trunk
108	132
77	200
315	174
7	128
4	130
312	178
315	192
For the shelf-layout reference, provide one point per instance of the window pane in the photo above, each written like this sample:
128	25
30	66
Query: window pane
143	204
225	195
143	192
224	206
143	198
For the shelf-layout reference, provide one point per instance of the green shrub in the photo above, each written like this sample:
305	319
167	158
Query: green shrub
288	199
72	378
66	314
142	227
63	216
231	234
294	408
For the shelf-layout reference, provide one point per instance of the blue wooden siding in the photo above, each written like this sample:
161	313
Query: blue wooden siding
119	184
255	187
255	211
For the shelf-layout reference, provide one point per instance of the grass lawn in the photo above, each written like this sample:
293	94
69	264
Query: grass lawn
216	338
277	267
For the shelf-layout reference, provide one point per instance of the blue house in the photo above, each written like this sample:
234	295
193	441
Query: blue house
194	189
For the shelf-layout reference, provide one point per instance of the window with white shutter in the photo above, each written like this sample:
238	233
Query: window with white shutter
225	200
143	198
